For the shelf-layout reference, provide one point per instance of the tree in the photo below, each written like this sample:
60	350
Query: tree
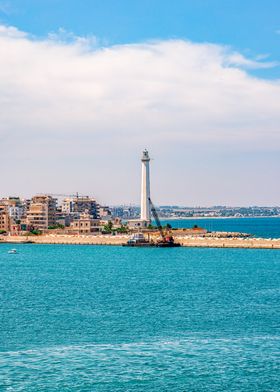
35	232
57	226
110	225
108	228
122	229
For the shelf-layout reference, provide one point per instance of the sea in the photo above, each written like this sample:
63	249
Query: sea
257	227
112	318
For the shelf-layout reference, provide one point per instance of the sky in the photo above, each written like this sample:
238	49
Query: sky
86	85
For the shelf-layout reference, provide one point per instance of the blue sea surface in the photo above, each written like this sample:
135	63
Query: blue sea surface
97	318
258	227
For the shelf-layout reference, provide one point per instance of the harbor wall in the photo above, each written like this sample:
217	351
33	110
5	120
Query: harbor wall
187	241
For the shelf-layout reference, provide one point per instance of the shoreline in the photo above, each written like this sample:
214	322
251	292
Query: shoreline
185	241
218	217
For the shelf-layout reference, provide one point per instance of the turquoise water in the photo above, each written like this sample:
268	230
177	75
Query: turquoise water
259	227
89	318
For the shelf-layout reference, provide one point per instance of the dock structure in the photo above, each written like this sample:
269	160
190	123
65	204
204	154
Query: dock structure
185	241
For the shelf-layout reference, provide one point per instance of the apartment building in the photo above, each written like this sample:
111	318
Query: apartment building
85	224
80	204
42	212
5	219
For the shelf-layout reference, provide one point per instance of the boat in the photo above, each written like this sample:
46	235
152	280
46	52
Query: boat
138	240
12	251
167	242
166	239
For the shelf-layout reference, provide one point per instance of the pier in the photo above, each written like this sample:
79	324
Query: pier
185	241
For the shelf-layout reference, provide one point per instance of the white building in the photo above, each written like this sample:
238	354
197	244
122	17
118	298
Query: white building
16	212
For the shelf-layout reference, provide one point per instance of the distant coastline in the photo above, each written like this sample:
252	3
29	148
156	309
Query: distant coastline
215	217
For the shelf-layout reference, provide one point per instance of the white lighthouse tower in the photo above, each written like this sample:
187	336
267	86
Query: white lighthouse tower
145	189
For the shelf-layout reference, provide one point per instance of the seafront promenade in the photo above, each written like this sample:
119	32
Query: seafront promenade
186	241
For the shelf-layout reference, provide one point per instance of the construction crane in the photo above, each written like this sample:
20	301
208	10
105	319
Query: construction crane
166	240
76	195
156	218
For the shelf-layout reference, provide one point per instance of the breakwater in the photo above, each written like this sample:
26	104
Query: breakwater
186	241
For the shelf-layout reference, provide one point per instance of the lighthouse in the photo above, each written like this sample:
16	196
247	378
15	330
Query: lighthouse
145	189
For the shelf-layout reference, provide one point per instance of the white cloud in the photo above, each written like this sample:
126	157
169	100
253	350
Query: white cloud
11	32
68	99
63	36
238	60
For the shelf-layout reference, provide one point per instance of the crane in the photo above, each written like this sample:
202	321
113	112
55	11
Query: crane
166	240
76	195
156	218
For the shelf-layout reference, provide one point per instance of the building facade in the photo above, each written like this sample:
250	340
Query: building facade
5	219
80	204
42	212
16	212
85	224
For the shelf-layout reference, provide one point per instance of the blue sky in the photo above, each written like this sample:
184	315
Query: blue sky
195	81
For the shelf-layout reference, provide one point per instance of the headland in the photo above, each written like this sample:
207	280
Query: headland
80	219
